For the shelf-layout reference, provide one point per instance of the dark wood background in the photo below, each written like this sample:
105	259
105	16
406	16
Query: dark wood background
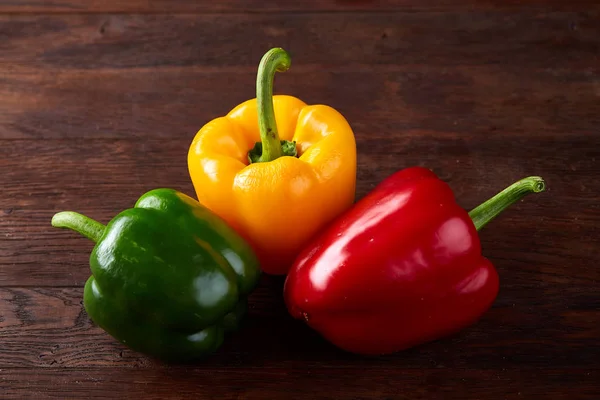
99	101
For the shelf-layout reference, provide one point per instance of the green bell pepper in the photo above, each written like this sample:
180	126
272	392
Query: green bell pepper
169	277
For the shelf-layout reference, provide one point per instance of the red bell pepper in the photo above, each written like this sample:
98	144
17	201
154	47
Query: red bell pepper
400	268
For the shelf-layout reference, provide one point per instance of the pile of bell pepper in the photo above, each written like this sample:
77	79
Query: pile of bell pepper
275	183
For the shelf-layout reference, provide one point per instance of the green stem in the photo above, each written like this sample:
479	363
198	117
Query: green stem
79	223
489	210
270	147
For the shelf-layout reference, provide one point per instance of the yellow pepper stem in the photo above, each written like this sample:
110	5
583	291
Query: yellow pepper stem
270	147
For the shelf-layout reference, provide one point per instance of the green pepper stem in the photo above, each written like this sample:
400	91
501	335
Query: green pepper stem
275	60
79	223
484	213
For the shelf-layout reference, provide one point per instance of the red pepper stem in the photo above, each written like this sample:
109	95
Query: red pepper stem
275	60
484	213
79	223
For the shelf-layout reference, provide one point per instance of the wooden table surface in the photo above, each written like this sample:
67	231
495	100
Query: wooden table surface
99	101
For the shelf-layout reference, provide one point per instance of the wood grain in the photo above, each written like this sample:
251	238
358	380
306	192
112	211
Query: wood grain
253	6
455	38
490	101
48	327
302	383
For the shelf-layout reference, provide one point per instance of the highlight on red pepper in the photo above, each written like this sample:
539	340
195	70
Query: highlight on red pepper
400	268
276	169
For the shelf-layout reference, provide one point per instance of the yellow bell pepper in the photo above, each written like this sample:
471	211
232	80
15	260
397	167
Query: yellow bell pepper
275	169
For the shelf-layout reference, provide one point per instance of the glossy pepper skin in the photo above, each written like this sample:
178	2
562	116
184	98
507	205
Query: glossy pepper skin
278	202
401	268
169	278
